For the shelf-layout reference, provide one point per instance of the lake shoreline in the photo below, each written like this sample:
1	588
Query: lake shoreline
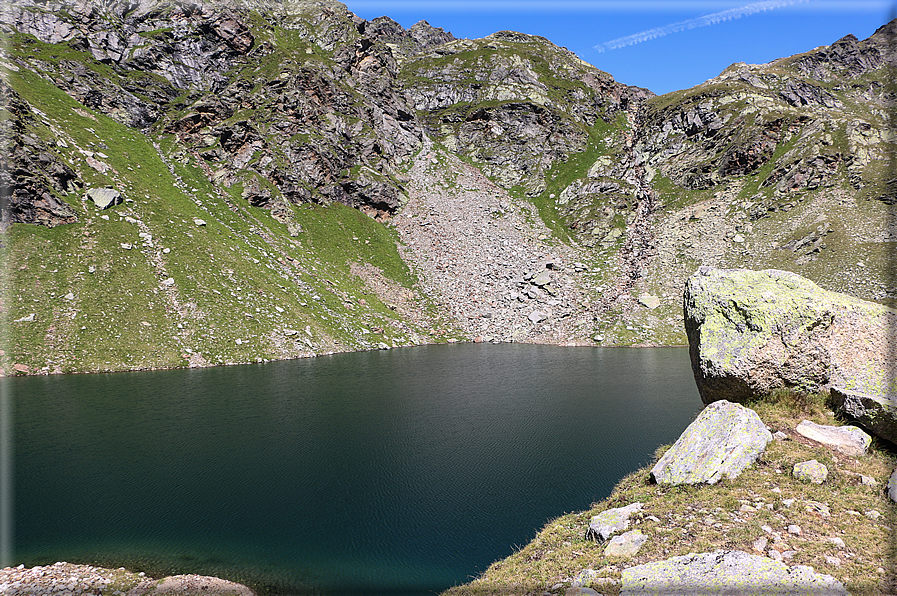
47	373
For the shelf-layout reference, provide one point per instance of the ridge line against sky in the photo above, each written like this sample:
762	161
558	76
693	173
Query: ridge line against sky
625	6
702	21
661	45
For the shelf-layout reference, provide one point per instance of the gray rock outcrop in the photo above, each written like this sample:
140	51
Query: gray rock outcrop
753	332
608	523
876	413
723	440
892	486
726	572
848	440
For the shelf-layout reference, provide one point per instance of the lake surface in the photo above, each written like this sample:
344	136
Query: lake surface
390	472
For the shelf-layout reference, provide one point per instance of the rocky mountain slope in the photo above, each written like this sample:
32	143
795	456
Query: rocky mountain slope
218	182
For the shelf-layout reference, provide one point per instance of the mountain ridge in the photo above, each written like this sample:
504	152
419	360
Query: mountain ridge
365	186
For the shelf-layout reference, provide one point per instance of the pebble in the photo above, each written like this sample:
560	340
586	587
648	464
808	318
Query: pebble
794	529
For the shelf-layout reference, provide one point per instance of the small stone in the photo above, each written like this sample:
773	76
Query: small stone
774	554
91	269
794	529
738	238
760	544
625	545
580	592
104	197
167	282
166	250
766	529
837	541
787	502
542	279
26	319
649	301
537	316
834	561
583	578
810	471
892	486
199	222
780	436
873	514
816	507
126	246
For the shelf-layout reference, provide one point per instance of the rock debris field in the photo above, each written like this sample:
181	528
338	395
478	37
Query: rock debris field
481	256
66	579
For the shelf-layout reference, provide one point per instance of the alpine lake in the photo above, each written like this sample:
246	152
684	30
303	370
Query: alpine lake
404	471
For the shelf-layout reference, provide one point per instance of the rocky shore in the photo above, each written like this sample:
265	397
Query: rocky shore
66	579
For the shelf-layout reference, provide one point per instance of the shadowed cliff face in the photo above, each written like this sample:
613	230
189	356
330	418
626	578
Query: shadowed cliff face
269	112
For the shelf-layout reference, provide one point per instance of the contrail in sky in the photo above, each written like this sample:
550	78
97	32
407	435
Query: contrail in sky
704	21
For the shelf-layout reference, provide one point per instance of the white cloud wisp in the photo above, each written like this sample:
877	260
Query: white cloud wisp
704	21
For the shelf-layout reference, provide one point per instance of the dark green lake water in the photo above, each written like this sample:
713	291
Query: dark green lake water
402	471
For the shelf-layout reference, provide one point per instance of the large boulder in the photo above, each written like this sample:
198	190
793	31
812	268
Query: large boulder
726	572
752	332
723	440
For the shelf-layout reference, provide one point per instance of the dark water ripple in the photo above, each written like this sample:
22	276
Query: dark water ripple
405	471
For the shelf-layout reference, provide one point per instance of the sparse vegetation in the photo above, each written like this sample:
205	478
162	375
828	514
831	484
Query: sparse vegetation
730	515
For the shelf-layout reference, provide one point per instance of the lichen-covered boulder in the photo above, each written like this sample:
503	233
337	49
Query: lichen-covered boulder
874	412
611	521
726	572
848	440
752	332
723	440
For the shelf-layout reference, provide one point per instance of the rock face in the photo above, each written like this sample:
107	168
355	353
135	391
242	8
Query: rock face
726	572
848	440
723	440
876	413
752	332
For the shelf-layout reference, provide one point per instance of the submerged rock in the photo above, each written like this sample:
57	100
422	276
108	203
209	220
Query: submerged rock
752	332
722	441
726	572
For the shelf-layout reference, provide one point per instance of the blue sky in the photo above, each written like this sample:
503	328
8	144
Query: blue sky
663	45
